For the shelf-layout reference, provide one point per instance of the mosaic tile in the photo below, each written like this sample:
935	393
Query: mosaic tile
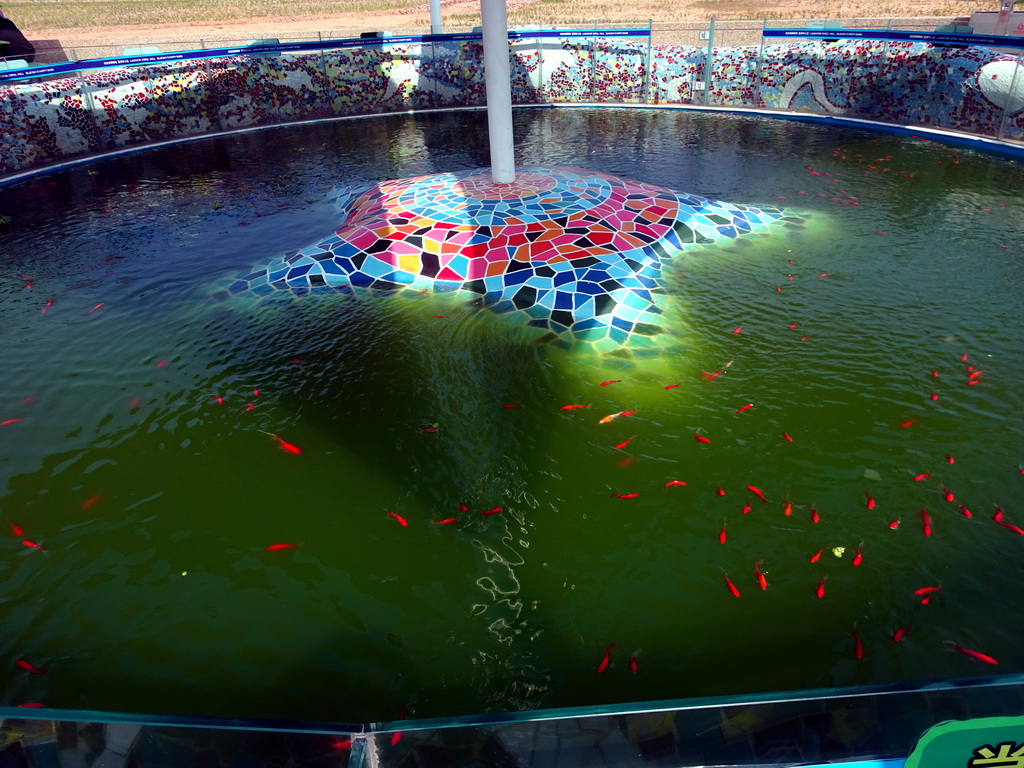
537	246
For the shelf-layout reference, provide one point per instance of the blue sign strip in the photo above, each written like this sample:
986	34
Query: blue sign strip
69	67
935	38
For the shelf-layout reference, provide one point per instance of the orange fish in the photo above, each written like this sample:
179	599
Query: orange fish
623	444
947	494
934	396
427	430
816	556
788	509
10	421
399	518
815	517
720	492
700	438
858	558
974	654
908	422
89	502
820	591
671	386
674	482
633	666
446	521
786	437
737	330
919	478
33	545
17	530
757	492
926	522
870	501
1011	527
611	381
899	634
278	547
709	376
606	660
572	407
926	590
732	587
950	459
493	511
744	408
858	646
966	512
746	509
721	535
894	524
762	582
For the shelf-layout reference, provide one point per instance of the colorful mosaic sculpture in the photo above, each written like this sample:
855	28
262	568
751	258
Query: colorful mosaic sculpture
580	253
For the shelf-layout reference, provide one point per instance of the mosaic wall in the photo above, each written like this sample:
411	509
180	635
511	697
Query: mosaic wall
961	88
578	254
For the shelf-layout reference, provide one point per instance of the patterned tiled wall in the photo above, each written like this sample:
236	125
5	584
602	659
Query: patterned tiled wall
961	88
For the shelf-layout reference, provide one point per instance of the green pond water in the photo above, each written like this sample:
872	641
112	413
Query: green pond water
155	490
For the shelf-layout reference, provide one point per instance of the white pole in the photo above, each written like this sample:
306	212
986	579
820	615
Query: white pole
435	18
498	82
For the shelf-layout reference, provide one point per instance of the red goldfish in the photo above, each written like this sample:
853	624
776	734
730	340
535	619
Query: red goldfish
858	646
926	590
899	634
732	587
973	654
625	495
757	493
743	408
762	582
816	556
947	494
623	444
671	386
815	517
633	666
27	666
606	660
870	502
786	437
721	535
493	511
611	381
33	545
675	482
446	521
926	522
788	509
919	478
277	547
965	511
572	407
820	591
858	558
700	438
399	518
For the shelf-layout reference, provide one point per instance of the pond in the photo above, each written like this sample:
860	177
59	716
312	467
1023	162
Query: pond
860	370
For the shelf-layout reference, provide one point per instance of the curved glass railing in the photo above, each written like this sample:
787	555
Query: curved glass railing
968	86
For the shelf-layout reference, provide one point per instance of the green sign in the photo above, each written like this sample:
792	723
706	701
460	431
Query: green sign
987	742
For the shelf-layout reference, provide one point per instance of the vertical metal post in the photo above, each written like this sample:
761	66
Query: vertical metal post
756	85
709	61
593	66
540	70
498	85
435	18
647	64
